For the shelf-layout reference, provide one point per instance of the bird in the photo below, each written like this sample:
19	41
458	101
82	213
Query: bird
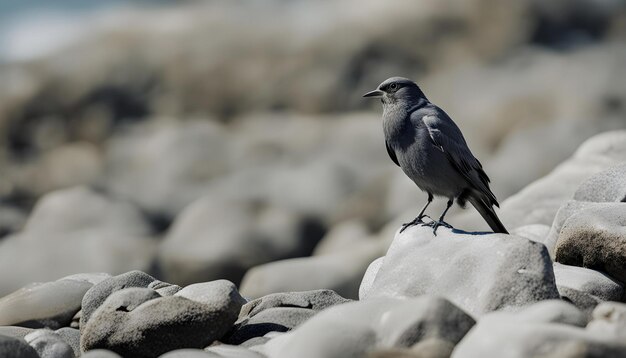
430	149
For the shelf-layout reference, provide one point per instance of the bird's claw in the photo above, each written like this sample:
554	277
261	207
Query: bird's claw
417	220
437	223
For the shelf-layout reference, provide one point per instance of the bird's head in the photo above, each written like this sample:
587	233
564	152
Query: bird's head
396	89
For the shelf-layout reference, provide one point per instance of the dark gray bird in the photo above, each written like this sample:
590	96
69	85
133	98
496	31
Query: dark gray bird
424	141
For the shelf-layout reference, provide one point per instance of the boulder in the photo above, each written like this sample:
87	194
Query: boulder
100	292
606	186
139	322
589	281
609	319
76	230
478	272
595	238
357	328
70	336
549	331
50	304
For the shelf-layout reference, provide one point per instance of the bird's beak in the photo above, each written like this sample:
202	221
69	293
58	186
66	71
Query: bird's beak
374	94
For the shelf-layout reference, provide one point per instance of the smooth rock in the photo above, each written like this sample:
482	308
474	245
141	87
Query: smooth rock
370	276
15	331
606	186
164	288
49	344
609	319
212	293
49	304
589	281
479	273
341	272
502	335
356	328
138	322
16	348
215	238
70	336
581	300
567	210
315	300
595	238
56	212
100	292
46	257
280	319
280	312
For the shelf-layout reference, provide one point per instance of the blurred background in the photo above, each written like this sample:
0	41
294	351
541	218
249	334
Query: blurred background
197	140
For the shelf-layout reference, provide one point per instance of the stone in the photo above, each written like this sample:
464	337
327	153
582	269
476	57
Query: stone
280	312
609	319
595	238
581	300
551	311
139	322
164	288
606	186
506	335
216	238
50	304
589	281
16	348
280	319
480	272
56	212
49	344
99	293
70	336
76	230
433	348
315	300
567	210
15	331
358	328
370	276
341	272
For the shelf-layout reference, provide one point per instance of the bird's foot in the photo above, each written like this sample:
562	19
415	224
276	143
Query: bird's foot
417	220
435	224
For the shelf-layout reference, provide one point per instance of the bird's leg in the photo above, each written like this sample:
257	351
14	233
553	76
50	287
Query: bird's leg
420	216
440	222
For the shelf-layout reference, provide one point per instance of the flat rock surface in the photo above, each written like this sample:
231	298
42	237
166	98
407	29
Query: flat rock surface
479	273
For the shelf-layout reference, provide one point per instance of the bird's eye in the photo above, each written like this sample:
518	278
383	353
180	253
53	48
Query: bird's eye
393	86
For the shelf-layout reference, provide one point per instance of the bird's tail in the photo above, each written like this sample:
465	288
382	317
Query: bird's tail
487	212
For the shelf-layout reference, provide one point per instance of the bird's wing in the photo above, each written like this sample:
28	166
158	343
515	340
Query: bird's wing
447	137
392	154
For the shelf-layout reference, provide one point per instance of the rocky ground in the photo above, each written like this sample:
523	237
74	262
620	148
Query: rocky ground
554	287
190	180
